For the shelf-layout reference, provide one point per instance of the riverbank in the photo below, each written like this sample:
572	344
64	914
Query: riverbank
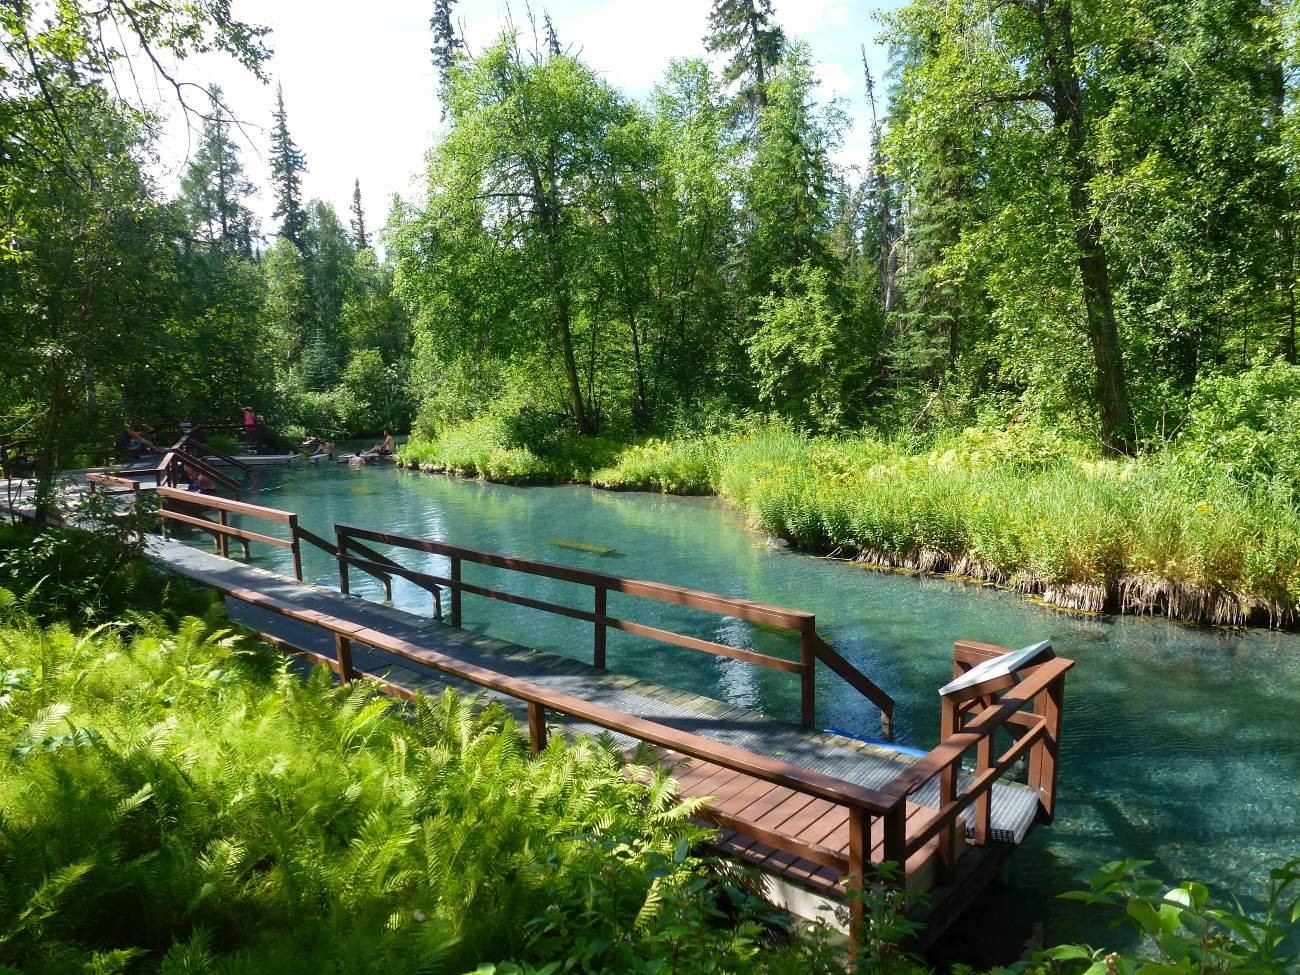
1021	508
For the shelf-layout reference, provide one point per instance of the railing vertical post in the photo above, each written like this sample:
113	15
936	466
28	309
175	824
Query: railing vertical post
223	540
343	652
808	674
536	726
296	548
455	590
949	841
894	823
598	648
1042	757
856	882
984	802
341	542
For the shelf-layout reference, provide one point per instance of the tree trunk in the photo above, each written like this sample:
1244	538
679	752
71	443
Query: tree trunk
1103	332
549	216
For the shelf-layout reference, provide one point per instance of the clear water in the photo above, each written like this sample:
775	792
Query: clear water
1181	745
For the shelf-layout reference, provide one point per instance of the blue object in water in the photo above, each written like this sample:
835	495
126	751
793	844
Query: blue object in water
892	745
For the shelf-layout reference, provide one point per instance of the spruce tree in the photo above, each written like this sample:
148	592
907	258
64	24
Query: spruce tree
358	221
446	45
552	38
287	167
214	189
743	30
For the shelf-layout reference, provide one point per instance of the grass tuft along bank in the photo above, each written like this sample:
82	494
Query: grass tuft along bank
1180	533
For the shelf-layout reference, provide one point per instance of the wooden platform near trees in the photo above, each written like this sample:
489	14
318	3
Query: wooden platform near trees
815	812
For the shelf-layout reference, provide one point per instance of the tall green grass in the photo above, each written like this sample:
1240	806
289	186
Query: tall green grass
1167	533
1146	535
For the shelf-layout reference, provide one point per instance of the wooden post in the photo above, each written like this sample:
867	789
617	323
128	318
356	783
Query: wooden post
343	652
437	602
598	649
856	882
949	841
455	590
1042	757
808	675
223	540
894	822
296	543
341	539
984	803
536	726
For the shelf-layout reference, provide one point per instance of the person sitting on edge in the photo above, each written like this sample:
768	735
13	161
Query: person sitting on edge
325	449
137	442
384	448
198	481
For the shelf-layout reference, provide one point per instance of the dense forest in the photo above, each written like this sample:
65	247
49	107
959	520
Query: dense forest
1071	242
1040	335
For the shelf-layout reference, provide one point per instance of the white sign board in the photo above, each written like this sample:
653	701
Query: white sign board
998	668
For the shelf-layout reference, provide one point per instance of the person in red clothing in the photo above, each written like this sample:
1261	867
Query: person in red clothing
250	429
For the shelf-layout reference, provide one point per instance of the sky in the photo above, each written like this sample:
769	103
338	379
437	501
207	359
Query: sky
361	93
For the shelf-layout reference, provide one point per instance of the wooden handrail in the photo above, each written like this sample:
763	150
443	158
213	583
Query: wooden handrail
812	647
775	771
949	752
189	438
859	681
111	480
183	456
223	532
329	548
790	619
229	504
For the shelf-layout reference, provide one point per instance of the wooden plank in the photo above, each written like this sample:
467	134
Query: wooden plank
706	646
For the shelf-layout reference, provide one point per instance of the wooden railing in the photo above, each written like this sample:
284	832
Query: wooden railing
864	805
352	552
222	531
194	445
1029	712
179	457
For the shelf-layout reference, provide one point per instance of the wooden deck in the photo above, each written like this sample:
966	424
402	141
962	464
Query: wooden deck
801	805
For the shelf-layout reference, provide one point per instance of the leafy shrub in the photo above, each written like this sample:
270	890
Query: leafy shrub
82	576
681	466
1247	426
1182	932
178	800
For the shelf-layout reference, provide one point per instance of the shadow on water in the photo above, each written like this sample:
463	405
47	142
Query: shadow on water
1179	746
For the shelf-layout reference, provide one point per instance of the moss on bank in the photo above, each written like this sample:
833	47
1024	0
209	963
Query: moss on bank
1166	533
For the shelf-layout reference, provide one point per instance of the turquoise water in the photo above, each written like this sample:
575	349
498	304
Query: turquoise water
1181	745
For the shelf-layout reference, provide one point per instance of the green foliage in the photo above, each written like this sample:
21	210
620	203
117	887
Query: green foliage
85	576
1021	506
178	800
1248	426
681	465
1183	934
802	351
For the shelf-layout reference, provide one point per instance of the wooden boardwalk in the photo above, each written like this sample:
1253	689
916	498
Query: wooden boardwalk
797	829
